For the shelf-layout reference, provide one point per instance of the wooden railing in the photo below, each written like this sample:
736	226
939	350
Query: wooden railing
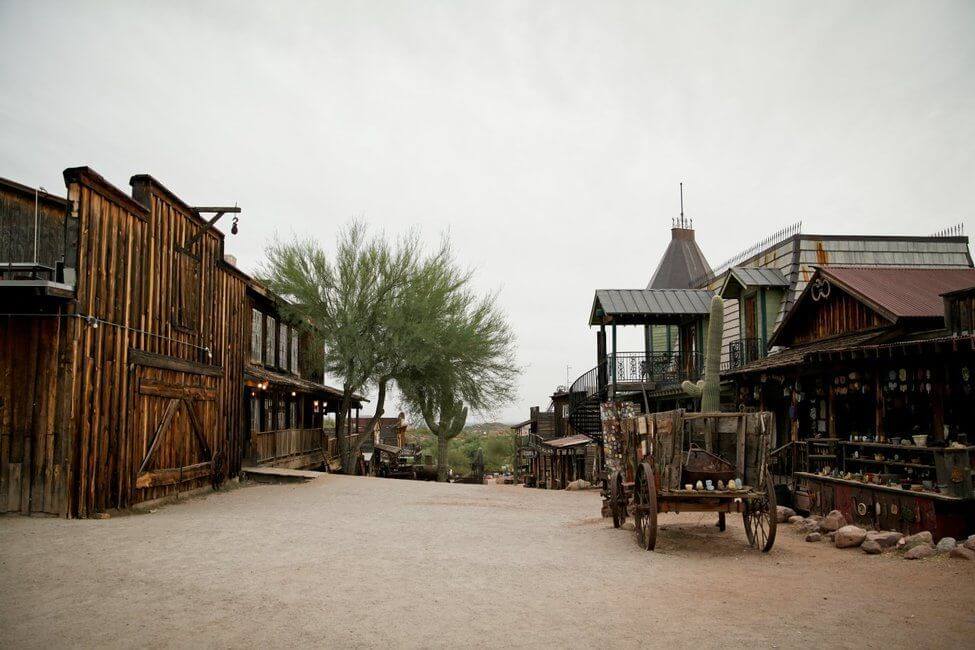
284	443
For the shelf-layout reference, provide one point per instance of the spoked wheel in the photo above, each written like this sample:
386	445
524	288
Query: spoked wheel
645	506
721	522
760	519
617	499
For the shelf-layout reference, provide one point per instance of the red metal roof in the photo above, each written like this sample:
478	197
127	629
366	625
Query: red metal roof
902	292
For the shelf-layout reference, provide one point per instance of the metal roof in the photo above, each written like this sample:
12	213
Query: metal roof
798	355
648	306
743	277
682	262
901	292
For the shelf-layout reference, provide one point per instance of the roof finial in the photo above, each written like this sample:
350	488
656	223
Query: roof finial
682	221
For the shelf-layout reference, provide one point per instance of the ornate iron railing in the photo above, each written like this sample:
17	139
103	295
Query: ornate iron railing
744	351
658	368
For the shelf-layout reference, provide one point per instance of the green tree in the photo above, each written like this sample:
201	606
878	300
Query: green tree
369	306
468	362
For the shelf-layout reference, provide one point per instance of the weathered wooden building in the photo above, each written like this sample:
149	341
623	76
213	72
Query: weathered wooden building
286	402
125	340
875	391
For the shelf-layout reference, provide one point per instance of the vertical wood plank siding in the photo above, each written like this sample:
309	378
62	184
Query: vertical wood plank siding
70	393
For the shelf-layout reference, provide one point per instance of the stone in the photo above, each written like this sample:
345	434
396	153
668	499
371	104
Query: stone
871	547
795	519
814	537
629	525
970	543
918	539
962	553
831	536
919	552
850	537
579	485
945	544
886	538
783	514
810	525
833	521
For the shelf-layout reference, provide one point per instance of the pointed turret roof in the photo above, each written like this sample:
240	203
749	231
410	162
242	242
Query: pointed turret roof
683	262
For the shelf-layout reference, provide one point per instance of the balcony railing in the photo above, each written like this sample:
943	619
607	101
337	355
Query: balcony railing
744	351
659	368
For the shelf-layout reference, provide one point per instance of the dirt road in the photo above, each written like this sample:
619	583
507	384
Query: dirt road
353	562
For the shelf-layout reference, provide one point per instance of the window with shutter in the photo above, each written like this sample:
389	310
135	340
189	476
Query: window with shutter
257	335
294	350
283	347
186	308
270	342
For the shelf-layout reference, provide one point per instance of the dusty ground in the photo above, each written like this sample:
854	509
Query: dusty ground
345	562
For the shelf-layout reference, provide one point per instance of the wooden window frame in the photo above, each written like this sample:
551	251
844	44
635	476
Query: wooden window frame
270	340
187	290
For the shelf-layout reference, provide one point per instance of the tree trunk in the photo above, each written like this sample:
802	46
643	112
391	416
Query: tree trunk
442	455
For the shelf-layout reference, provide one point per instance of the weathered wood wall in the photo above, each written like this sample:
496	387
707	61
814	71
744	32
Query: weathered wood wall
18	223
136	293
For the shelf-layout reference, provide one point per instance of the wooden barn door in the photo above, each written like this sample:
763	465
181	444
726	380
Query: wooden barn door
174	432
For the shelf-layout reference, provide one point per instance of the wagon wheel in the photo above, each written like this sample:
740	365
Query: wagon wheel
617	499
721	522
760	519
645	506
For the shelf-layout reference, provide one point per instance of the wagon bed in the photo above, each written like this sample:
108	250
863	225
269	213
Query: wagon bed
657	447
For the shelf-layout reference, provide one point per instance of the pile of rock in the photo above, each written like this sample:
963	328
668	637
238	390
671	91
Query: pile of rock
834	528
580	484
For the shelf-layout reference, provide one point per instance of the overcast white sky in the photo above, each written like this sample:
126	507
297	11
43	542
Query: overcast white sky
548	137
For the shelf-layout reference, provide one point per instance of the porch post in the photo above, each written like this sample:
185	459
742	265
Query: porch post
647	349
614	361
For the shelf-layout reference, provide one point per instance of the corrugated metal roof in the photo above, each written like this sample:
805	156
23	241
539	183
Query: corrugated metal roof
797	355
902	292
653	301
743	277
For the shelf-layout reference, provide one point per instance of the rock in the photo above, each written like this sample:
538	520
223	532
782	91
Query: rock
629	525
795	519
579	485
945	544
871	547
783	514
850	536
962	553
101	515
810	525
919	552
814	537
885	538
831	536
833	521
918	539
970	543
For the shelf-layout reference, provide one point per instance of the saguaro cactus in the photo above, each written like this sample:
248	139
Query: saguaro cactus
709	388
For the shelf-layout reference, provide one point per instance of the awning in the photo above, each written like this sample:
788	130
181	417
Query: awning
260	374
568	441
740	278
798	355
649	306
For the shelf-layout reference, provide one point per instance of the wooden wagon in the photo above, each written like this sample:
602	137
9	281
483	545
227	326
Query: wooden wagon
665	452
